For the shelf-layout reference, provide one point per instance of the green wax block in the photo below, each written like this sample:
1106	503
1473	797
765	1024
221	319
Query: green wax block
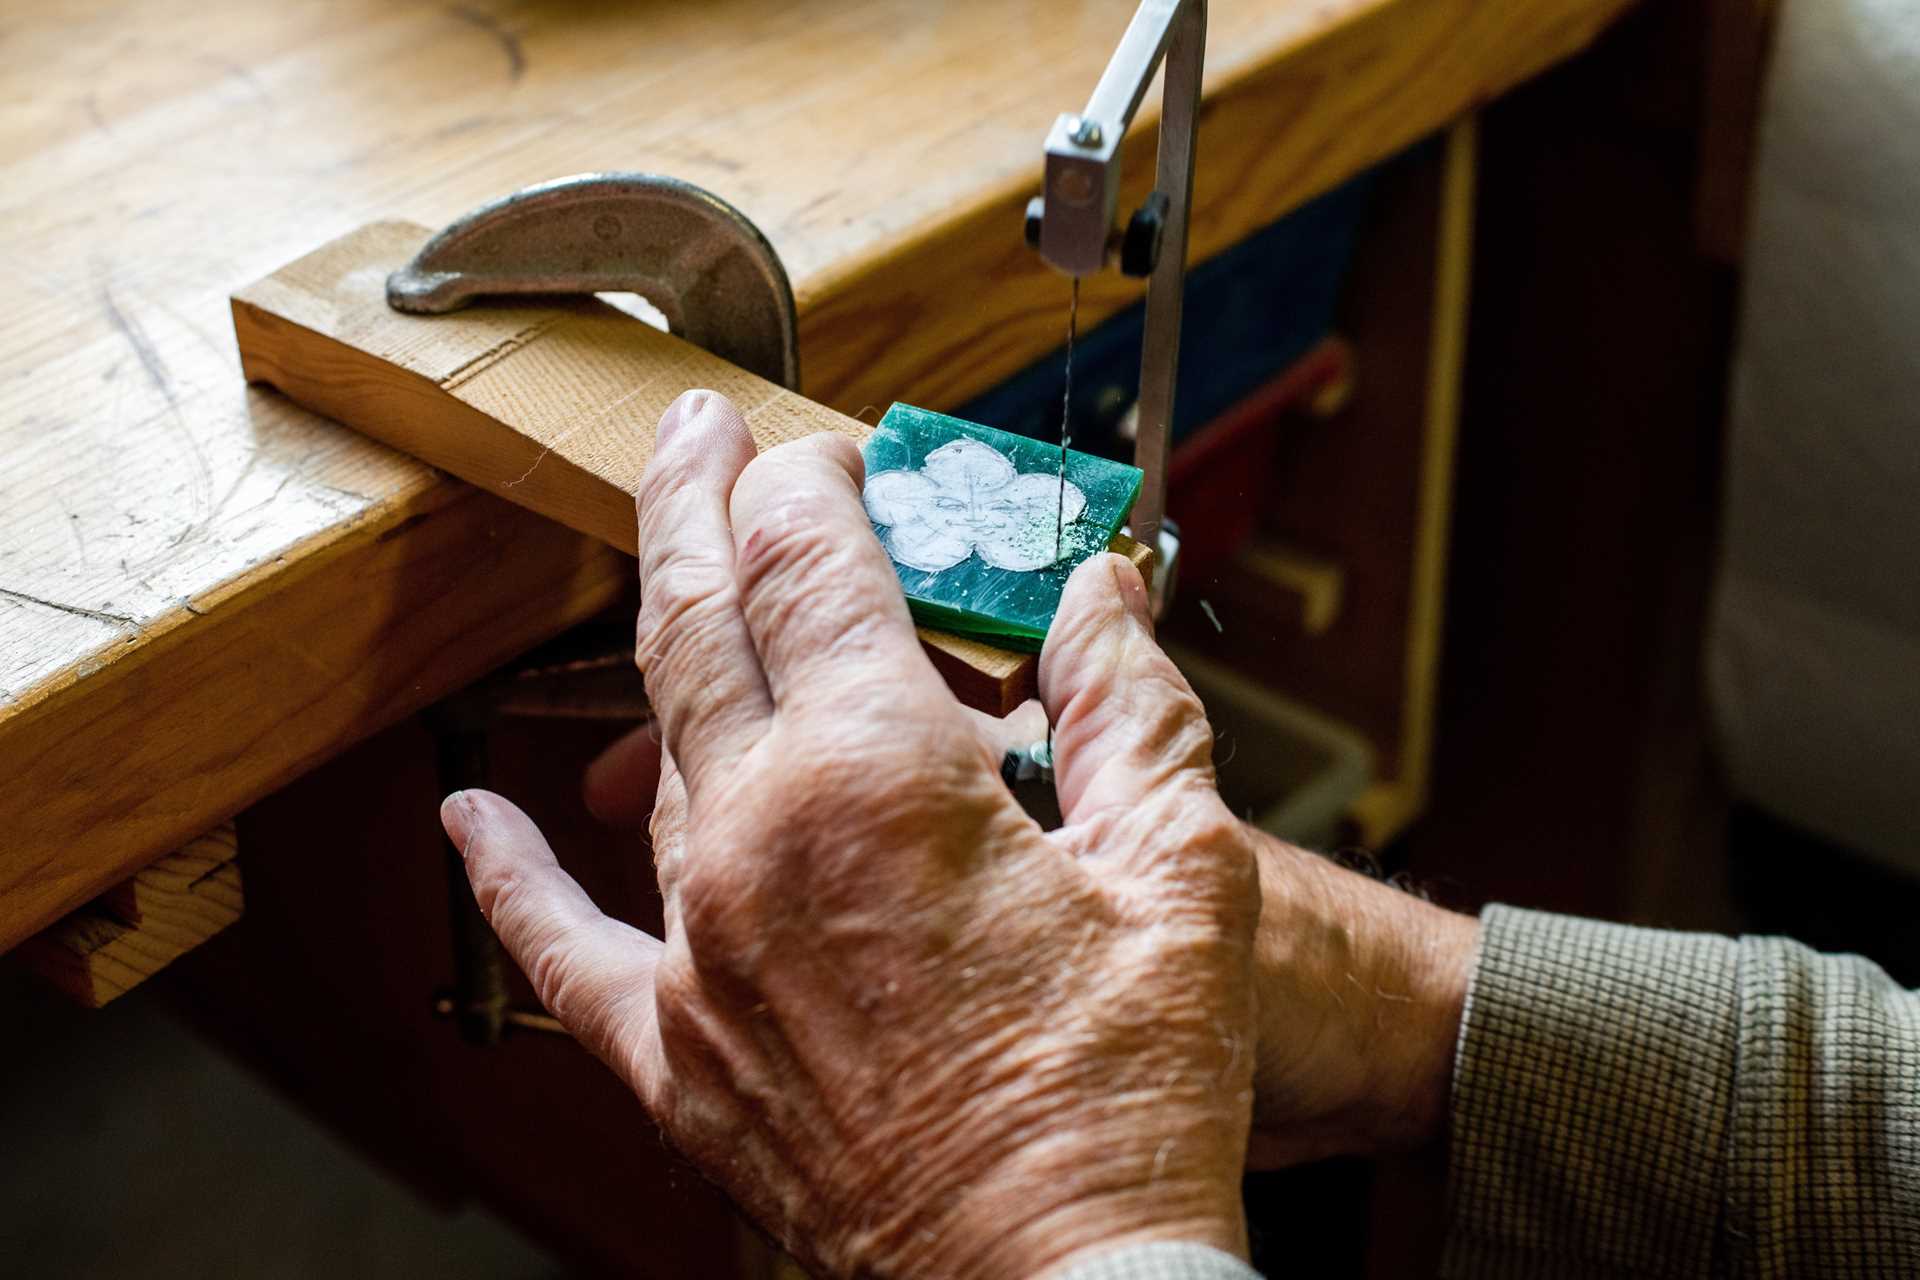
978	525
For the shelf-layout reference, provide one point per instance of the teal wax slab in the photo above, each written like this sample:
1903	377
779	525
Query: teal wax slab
971	519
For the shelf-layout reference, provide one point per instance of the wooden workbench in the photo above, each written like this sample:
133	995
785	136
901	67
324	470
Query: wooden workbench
205	591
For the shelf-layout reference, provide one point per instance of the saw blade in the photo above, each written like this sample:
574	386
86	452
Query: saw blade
1066	417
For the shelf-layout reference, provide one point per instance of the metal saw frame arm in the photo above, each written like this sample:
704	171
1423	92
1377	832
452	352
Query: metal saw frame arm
1073	222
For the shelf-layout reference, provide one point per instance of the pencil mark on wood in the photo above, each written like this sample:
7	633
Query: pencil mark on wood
128	326
700	155
143	348
98	615
820	201
509	43
466	124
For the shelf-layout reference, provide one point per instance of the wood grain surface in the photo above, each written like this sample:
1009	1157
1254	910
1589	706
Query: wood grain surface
161	525
551	406
144	924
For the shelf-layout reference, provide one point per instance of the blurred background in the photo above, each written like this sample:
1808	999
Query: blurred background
1548	498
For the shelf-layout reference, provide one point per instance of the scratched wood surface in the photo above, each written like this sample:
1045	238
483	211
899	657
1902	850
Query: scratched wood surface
551	406
162	527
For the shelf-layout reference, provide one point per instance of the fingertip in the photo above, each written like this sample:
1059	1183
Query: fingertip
1110	582
701	429
602	794
1124	718
619	785
688	407
1132	588
842	452
480	820
1102	597
684	406
700	447
456	818
775	466
1107	581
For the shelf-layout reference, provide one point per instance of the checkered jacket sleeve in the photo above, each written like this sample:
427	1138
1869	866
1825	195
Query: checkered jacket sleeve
1162	1261
1634	1102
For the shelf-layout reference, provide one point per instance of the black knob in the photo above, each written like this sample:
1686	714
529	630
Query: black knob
1036	209
1140	247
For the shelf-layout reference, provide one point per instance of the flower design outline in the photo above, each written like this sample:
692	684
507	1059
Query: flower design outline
968	498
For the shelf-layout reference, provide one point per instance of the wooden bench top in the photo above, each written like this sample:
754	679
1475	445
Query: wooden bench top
205	591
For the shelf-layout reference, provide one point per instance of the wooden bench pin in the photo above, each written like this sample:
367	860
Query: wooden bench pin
551	404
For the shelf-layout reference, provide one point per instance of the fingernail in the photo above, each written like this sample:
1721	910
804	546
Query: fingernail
1132	589
456	816
682	411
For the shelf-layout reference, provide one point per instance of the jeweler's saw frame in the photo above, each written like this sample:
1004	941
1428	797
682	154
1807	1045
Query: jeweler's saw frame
1073	223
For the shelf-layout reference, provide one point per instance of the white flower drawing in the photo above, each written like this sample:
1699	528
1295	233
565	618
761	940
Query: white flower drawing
968	497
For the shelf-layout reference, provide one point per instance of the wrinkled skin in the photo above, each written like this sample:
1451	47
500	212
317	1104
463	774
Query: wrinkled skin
910	1032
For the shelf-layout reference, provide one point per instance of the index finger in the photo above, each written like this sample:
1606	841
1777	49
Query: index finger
819	595
691	643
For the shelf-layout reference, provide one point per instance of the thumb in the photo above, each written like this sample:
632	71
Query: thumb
592	972
1126	723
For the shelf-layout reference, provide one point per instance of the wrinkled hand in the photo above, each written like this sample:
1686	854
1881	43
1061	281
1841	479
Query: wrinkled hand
1359	988
910	1033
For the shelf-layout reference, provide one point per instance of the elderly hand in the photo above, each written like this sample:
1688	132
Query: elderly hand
910	1032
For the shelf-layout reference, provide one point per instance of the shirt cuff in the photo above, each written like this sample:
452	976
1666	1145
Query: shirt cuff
1591	1099
1161	1261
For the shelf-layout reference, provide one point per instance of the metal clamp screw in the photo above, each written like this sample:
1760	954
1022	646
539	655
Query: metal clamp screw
1085	132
